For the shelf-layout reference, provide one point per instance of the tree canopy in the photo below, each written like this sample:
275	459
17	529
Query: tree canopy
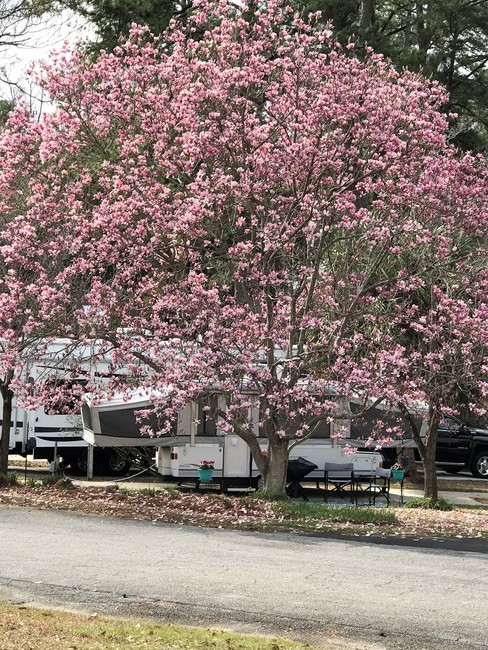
254	212
113	19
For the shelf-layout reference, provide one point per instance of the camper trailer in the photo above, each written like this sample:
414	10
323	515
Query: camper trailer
196	437
49	436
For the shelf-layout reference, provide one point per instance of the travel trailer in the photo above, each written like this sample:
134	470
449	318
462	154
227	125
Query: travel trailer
47	434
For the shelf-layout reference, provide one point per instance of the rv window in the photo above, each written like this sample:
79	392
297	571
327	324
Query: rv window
206	423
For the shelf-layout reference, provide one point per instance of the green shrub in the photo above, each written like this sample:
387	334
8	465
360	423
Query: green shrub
429	503
148	492
9	479
172	491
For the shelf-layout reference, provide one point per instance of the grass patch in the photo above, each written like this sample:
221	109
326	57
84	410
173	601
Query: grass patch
30	628
352	514
172	491
429	503
267	495
148	492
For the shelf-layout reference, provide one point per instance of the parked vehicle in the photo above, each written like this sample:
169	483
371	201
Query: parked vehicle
460	446
45	436
47	432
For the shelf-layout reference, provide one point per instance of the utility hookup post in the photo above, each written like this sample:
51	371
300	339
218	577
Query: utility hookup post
89	463
29	448
54	465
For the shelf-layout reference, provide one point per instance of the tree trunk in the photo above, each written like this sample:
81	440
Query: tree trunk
427	449
413	474
430	473
427	454
367	14
275	480
7	396
423	40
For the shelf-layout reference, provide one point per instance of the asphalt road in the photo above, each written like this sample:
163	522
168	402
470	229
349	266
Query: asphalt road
342	593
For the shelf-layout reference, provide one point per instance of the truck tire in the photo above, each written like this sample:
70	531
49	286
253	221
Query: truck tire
479	467
451	469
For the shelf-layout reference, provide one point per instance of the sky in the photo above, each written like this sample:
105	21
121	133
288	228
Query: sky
40	41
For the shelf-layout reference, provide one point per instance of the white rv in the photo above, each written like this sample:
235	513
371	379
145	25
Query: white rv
49	434
112	429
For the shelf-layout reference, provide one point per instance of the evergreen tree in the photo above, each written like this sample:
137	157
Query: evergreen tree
113	19
446	40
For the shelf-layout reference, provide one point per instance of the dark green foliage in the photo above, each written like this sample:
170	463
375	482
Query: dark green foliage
113	19
9	479
344	14
446	40
5	107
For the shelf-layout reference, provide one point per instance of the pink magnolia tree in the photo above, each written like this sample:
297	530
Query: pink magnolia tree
439	362
246	210
21	330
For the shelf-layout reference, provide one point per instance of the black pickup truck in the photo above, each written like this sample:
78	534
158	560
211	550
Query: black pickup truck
459	446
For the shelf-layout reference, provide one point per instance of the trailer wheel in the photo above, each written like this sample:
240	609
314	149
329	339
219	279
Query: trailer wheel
78	464
114	464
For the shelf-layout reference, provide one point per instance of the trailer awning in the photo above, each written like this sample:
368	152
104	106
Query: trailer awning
114	422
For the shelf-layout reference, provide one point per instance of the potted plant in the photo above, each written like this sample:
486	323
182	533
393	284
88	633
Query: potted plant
205	470
397	472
